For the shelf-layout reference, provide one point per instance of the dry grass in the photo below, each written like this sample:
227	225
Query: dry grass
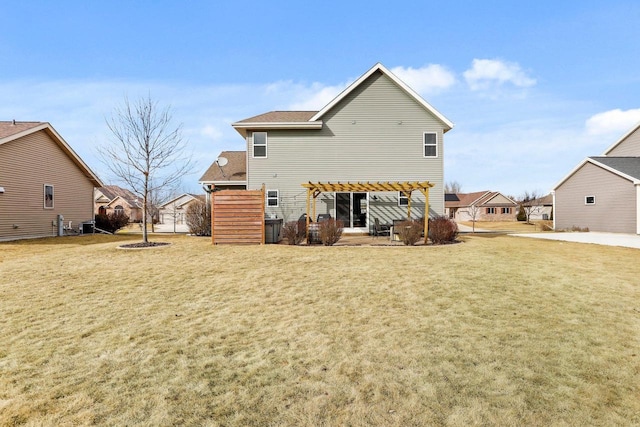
493	331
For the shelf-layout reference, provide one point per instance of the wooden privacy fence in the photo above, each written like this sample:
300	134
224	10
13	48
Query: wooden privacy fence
237	217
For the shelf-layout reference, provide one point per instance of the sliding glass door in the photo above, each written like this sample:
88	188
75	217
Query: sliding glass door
351	209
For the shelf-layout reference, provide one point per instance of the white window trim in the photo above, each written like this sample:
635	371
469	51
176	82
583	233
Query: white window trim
253	145
424	145
44	196
491	211
402	197
276	197
508	211
588	197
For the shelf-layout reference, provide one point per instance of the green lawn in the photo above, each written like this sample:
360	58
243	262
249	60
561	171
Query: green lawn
497	330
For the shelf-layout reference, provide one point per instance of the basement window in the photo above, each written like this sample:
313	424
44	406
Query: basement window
590	200
48	196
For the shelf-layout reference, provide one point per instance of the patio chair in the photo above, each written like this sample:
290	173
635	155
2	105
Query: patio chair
380	229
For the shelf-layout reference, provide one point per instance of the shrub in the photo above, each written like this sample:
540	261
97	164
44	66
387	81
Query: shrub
579	229
111	222
410	231
198	218
330	231
442	230
546	225
522	214
294	232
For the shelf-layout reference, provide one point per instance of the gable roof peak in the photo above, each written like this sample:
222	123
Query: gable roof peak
379	67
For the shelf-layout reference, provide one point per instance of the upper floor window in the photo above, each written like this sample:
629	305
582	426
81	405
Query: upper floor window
272	198
48	196
590	200
430	142
259	144
402	199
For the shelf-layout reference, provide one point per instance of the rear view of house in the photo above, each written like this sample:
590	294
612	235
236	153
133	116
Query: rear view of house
378	130
42	180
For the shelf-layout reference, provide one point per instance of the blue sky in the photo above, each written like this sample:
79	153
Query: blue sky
532	87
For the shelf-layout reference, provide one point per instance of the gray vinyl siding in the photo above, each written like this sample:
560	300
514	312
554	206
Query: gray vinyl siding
373	134
26	164
629	147
615	207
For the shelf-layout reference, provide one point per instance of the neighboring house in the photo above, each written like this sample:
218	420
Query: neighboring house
227	172
173	212
377	130
603	193
41	178
541	208
111	198
480	206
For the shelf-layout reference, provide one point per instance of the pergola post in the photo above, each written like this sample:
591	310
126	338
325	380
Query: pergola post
425	191
307	216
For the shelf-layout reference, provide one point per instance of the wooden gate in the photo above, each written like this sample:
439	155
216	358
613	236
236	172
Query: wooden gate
237	217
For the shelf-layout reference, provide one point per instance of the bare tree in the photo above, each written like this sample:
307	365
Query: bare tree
530	203
473	211
452	187
146	152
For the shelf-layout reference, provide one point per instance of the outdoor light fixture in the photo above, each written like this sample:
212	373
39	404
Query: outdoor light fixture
1	190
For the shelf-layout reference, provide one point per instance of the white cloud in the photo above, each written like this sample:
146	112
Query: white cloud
428	79
315	97
487	74
612	122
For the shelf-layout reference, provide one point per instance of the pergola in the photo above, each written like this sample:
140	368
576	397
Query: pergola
314	189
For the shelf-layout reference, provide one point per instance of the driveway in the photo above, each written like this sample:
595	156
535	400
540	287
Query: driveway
595	237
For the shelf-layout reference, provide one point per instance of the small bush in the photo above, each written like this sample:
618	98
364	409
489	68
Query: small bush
522	214
410	231
579	229
546	226
294	232
111	222
198	218
330	231
442	230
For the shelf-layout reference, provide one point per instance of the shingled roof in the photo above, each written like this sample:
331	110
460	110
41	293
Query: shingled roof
113	191
627	165
234	171
13	127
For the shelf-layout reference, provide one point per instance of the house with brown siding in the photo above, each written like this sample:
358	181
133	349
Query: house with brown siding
41	179
480	206
377	130
602	193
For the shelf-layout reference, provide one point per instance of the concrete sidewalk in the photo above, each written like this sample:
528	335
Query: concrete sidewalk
595	237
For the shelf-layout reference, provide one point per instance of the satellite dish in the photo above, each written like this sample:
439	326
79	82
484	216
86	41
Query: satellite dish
222	161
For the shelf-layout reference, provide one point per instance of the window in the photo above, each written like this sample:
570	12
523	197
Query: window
402	199
491	211
259	144
272	198
118	210
430	144
590	200
506	210
48	196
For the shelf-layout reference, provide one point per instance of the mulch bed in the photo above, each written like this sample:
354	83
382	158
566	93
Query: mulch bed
143	245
